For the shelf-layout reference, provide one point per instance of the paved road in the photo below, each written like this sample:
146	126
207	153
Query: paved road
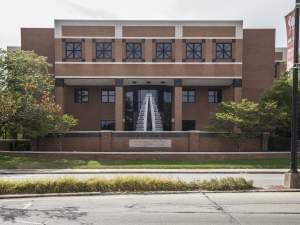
260	180
175	209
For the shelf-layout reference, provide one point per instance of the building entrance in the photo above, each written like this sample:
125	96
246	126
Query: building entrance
134	99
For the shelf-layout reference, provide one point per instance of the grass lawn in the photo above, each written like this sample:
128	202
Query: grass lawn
13	162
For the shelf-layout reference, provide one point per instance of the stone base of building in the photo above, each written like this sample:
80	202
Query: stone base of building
292	180
116	141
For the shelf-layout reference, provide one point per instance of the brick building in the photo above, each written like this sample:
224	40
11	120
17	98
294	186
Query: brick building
105	70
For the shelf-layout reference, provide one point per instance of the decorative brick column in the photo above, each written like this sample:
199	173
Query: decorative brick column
194	138
237	90
237	96
119	105
208	50
265	141
178	50
88	50
178	105
106	139
148	52
118	50
60	94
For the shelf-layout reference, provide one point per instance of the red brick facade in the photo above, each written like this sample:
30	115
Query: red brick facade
249	69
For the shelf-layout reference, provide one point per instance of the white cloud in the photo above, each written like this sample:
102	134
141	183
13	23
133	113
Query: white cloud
41	13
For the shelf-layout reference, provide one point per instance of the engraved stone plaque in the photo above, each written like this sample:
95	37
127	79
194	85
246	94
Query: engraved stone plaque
150	143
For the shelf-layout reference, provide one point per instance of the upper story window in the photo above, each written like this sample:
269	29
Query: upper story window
193	51
104	50
108	95
214	96
163	50
81	95
224	50
188	96
134	50
73	50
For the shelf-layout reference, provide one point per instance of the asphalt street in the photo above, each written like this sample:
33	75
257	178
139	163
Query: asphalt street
267	180
167	209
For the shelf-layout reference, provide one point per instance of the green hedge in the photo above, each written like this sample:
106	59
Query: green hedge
119	184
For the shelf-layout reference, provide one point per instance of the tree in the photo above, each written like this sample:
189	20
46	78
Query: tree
8	110
26	90
248	117
281	94
62	124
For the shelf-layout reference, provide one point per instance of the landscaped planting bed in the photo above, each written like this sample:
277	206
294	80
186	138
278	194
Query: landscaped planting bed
119	184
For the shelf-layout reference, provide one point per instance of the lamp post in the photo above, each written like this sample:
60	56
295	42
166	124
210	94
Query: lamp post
292	178
294	95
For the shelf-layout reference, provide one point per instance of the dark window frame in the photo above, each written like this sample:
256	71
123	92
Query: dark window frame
108	122
101	53
214	95
223	52
111	98
188	121
163	52
78	95
190	98
137	52
191	51
73	50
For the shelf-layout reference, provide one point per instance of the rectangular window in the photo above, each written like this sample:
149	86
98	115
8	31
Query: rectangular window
193	51
107	95
134	50
214	96
104	50
188	125
81	95
73	50
188	96
224	50
107	125
163	50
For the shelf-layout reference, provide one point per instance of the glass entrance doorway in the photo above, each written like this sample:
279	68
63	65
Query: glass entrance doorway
142	94
134	96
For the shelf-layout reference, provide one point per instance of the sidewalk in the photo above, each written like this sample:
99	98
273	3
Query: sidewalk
143	171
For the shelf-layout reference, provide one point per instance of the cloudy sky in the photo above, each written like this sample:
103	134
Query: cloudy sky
41	13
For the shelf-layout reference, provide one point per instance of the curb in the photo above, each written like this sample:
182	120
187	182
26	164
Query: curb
18	196
145	171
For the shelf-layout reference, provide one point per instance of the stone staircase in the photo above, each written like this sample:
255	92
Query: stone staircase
149	111
141	124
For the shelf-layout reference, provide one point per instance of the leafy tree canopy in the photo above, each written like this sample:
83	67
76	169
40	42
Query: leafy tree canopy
248	117
27	101
281	93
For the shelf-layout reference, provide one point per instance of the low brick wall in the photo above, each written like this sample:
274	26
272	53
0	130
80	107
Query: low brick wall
107	141
15	144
